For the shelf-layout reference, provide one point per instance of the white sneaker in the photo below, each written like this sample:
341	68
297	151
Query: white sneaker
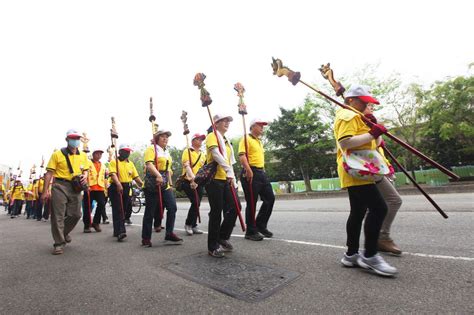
377	264
188	229
350	261
196	230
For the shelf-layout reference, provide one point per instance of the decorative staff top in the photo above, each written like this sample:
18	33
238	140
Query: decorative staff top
42	162
184	119
33	169
113	133
328	74
152	118
85	142
199	82
280	70
240	93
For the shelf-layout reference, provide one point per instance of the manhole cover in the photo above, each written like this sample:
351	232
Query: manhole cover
240	279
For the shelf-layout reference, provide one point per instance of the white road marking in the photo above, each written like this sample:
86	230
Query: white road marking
343	247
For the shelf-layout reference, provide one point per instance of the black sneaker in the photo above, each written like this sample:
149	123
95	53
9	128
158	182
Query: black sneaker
146	243
121	237
217	253
128	221
173	239
254	236
226	245
105	222
266	233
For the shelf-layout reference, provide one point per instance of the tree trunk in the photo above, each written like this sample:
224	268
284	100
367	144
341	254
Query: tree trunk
307	181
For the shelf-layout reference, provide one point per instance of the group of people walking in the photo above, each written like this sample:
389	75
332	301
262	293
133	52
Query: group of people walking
72	179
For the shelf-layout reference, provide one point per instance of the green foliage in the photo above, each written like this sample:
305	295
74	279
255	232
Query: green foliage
302	143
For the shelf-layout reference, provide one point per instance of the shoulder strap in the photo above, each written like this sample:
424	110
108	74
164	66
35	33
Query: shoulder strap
197	160
66	155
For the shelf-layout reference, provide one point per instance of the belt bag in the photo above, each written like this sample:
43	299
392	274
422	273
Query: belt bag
206	174
366	165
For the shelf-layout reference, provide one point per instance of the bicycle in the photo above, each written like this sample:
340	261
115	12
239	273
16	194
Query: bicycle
136	201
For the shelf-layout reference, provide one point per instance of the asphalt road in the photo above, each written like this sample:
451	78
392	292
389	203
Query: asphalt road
99	275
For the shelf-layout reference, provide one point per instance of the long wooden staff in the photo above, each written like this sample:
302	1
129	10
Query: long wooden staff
294	77
328	74
184	119
154	130
85	148
243	111
113	139
205	102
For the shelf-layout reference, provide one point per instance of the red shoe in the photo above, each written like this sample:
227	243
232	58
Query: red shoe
173	239
146	243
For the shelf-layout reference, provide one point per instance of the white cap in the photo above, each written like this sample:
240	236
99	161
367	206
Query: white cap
258	121
221	116
97	150
362	93
162	132
125	147
73	133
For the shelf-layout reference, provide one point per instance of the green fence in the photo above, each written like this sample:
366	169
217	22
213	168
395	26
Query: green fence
432	177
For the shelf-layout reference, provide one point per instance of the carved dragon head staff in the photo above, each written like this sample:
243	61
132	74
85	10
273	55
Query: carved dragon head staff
85	142
205	96
328	74
240	93
280	70
184	119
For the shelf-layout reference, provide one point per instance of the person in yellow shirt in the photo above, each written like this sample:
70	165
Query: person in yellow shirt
192	190
68	166
39	204
156	186
96	192
219	189
29	197
121	178
253	172
391	197
351	133
17	198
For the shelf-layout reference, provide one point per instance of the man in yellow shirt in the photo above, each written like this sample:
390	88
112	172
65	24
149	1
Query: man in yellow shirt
121	178
96	192
252	158
29	197
192	190
69	168
351	133
39	204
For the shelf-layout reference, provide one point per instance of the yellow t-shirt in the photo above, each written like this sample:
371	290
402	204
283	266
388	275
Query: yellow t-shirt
350	124
211	142
127	171
29	194
58	165
18	193
40	185
194	159
255	152
164	163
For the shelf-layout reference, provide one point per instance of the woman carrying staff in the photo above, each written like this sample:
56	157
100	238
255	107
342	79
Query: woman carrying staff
219	189
158	192
352	133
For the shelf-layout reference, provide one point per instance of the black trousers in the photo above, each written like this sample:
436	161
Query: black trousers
195	203
38	209
365	198
118	209
261	187
220	200
99	197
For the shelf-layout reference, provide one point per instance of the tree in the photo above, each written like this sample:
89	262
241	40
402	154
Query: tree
449	128
303	143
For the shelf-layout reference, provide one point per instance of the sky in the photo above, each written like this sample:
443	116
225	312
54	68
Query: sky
74	64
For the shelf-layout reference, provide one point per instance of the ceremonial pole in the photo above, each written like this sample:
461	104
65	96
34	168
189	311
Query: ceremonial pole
294	77
184	119
243	111
154	130
113	140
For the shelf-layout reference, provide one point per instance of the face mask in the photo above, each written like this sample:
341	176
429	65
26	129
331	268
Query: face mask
124	154
74	143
